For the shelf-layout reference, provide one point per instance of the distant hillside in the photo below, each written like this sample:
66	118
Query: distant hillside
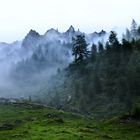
36	58
102	85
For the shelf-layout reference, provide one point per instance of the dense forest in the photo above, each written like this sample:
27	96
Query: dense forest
100	82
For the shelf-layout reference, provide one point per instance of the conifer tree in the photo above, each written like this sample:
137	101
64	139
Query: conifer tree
80	50
93	52
113	41
134	29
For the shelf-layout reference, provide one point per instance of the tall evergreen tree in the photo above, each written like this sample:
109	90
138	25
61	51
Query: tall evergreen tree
113	41
100	47
93	52
128	35
134	29
80	50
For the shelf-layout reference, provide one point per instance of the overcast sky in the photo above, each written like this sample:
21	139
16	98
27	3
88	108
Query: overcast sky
17	17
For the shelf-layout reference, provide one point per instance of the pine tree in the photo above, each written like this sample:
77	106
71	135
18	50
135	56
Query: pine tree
113	41
100	47
80	50
134	29
93	52
128	35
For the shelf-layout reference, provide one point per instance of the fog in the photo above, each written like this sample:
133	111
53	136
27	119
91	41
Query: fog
26	66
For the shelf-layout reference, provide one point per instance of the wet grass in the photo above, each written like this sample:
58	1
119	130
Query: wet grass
21	122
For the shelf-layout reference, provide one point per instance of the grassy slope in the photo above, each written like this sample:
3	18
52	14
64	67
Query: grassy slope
31	123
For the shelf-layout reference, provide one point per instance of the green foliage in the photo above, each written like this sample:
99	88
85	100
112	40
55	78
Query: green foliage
80	48
103	85
113	41
50	124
